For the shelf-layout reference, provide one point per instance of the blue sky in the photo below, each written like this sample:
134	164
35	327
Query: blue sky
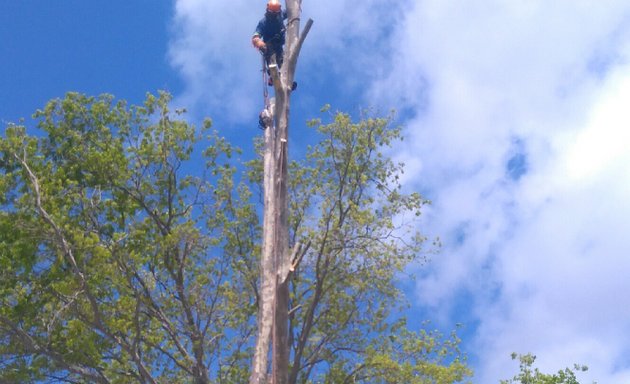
50	47
517	128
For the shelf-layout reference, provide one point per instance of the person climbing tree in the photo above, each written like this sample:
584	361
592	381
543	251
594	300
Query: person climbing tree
269	36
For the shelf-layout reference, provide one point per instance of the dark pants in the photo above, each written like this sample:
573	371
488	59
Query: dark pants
274	48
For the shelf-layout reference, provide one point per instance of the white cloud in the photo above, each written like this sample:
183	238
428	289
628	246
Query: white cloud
564	273
519	132
523	136
604	141
211	48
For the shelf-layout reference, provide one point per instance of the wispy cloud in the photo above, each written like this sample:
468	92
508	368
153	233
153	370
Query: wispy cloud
521	137
211	49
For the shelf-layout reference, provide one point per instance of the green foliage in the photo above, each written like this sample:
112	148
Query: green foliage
115	265
346	199
530	375
121	262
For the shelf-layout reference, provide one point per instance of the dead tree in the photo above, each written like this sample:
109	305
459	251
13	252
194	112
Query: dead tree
276	261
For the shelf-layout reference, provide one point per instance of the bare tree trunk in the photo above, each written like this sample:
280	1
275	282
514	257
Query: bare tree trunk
276	262
267	261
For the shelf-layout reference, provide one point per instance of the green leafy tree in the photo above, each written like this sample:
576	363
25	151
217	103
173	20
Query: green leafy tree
346	200
123	260
530	375
116	268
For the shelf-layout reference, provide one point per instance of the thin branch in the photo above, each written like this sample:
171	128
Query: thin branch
32	346
67	251
298	255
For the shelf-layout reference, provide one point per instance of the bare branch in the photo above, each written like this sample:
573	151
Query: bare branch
298	47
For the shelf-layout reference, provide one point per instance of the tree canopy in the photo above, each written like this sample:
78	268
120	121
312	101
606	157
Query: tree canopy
529	375
129	247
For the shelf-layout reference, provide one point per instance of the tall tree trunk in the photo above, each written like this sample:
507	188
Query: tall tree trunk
267	262
275	265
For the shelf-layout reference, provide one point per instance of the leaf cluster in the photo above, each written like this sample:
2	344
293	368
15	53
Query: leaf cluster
530	375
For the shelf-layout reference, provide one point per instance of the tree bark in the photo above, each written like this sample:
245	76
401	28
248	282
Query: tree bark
267	261
276	261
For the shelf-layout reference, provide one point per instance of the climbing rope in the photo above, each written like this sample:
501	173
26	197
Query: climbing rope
265	114
265	80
